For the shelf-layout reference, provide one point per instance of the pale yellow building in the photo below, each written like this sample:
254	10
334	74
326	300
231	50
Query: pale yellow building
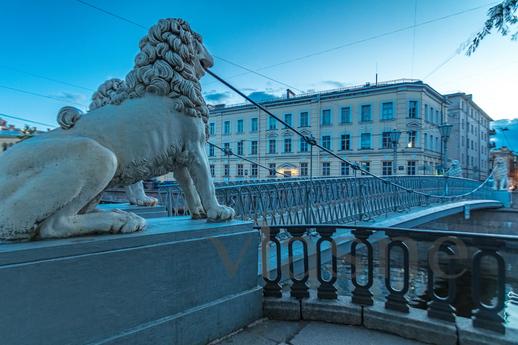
353	122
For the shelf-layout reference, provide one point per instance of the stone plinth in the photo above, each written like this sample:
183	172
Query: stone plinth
413	325
340	311
178	282
469	335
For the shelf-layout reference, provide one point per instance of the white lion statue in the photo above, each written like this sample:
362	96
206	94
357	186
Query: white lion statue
112	91
500	174
455	169
154	123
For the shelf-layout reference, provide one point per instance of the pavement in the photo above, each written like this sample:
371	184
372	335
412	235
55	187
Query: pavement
270	332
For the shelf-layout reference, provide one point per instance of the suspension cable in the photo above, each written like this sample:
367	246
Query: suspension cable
312	141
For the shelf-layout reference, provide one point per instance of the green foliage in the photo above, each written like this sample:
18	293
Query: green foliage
500	17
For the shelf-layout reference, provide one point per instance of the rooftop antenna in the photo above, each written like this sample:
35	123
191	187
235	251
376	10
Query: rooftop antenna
376	73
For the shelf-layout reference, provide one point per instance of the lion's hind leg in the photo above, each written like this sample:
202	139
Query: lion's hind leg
78	183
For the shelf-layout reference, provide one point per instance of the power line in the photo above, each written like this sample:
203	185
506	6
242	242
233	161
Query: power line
348	44
46	78
42	95
111	14
218	57
26	120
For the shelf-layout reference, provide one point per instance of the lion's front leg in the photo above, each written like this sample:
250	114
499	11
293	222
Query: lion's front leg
182	176
137	196
200	173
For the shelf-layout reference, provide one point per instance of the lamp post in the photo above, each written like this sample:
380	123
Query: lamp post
394	139
445	130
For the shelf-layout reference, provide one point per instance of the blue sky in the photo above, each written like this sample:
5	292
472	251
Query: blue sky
76	44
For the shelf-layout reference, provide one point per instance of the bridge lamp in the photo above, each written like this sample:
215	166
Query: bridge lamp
445	130
394	139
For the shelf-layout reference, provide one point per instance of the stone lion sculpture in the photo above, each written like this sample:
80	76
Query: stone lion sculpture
112	91
500	174
155	123
455	169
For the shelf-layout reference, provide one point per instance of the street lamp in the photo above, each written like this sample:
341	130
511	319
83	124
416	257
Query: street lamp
445	130
394	139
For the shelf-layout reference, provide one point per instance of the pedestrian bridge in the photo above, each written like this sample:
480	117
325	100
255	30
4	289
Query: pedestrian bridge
343	200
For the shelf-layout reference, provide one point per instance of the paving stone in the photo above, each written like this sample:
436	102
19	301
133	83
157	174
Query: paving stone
278	331
468	335
413	325
340	311
285	308
332	334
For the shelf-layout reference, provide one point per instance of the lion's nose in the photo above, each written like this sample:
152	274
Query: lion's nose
207	61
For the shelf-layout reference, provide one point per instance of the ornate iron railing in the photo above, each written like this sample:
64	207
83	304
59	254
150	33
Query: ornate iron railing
334	200
464	251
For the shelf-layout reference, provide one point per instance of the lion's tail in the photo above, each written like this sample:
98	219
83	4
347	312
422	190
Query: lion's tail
68	117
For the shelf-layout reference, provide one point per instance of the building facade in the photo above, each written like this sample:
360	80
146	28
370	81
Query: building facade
9	135
355	123
469	142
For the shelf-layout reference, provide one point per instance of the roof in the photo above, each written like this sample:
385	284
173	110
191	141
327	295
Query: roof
469	98
357	90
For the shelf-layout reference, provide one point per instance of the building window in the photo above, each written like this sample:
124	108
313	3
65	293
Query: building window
365	165
212	170
272	123
254	124
366	113
272	168
240	147
226	146
387	111
304	119
226	170
240	170
326	169
385	140
426	116
412	109
303	145
412	138
386	168
253	147
212	128
437	148
253	169
411	167
345	115
437	116
326	142
226	127
211	151
287	119
272	146
304	169
287	145
365	141
326	117
345	142
426	141
239	126
344	169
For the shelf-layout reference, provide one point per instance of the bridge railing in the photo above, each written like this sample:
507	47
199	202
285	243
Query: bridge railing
390	257
336	200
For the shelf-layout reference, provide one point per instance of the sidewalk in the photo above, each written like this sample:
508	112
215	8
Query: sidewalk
270	332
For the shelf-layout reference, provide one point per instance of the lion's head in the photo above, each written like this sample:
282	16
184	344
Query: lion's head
170	63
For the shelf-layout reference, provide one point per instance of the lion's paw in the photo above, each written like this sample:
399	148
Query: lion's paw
220	213
144	201
128	222
198	213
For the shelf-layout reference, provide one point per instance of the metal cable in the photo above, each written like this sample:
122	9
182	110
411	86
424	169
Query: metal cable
312	141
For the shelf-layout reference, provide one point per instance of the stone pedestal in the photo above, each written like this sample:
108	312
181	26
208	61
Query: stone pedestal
178	282
413	325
